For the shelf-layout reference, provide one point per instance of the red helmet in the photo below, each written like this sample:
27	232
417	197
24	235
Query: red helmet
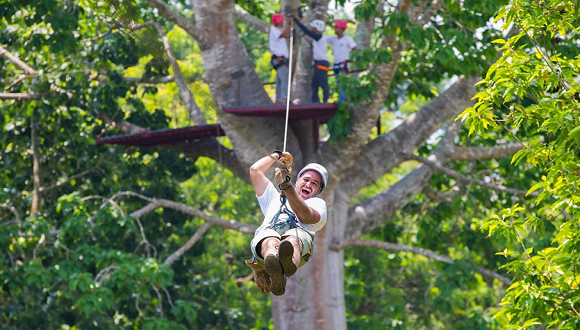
340	24
277	18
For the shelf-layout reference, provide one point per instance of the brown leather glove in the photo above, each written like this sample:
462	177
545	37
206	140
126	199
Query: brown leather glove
283	177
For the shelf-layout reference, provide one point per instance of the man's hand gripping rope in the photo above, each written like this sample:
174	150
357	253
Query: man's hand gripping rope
283	173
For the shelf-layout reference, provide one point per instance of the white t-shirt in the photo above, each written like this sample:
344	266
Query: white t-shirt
270	204
278	45
319	49
341	47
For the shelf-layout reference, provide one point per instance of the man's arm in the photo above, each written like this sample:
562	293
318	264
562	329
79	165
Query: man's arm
286	31
309	32
305	213
258	173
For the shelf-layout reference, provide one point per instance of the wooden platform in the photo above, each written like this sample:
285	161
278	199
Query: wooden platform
165	136
320	112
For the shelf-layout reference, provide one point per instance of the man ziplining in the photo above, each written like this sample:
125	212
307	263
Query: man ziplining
285	240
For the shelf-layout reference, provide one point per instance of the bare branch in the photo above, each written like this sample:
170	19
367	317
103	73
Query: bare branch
251	20
438	196
150	80
43	190
40	241
188	245
475	153
104	273
19	63
182	21
466	179
23	96
144	210
184	208
424	252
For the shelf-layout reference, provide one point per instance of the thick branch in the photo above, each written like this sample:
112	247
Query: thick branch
438	196
23	96
184	208
424	252
177	254
144	210
251	20
373	212
14	59
466	179
387	151
166	11
477	153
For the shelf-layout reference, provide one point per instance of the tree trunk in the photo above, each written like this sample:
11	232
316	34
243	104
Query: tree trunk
233	81
314	298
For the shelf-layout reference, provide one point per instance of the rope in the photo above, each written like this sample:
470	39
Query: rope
289	84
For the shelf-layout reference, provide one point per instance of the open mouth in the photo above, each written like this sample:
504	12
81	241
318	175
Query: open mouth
305	191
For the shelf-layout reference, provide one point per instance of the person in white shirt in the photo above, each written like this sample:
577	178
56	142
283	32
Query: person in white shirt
285	240
342	45
279	50
321	60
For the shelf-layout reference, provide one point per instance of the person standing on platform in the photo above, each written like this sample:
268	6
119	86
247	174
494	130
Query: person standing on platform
279	50
342	45
321	60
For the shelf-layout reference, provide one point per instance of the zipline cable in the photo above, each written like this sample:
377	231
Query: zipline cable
289	85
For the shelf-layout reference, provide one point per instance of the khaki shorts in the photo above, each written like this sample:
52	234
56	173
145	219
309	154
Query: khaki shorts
305	238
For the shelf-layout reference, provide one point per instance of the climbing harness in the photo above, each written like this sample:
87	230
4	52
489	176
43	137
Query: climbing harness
284	217
277	61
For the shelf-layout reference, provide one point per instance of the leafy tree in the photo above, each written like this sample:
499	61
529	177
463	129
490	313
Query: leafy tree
108	237
533	88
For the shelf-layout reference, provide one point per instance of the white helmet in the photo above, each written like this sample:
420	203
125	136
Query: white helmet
318	24
318	168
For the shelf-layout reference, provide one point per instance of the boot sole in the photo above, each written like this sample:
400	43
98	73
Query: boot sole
285	252
276	272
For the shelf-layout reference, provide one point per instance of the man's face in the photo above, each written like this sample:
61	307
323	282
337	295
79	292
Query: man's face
308	184
338	31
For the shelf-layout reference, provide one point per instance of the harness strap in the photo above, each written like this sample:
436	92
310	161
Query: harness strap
322	67
291	218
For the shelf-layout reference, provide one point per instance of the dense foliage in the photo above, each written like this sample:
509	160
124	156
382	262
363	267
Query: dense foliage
77	254
532	91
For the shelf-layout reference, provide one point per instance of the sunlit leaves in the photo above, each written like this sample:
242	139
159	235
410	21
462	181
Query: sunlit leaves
531	88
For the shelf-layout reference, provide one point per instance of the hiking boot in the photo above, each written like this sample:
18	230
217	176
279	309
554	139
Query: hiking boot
285	253
276	272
